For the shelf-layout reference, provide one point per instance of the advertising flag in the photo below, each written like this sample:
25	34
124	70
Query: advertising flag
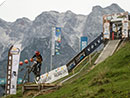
57	40
83	42
12	69
125	29
106	30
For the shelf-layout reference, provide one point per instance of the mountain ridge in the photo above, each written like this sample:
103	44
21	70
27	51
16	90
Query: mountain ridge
24	30
36	34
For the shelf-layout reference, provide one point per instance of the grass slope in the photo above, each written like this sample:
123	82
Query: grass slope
110	79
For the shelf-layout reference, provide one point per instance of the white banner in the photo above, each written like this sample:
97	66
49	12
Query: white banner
125	29
106	30
54	75
15	51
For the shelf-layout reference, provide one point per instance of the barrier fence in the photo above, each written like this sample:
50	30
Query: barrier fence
85	52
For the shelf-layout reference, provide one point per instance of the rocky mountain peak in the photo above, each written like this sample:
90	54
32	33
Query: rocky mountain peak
96	8
69	12
24	19
2	21
115	8
22	22
114	5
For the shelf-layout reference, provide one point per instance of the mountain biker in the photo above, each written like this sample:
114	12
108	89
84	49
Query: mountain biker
37	67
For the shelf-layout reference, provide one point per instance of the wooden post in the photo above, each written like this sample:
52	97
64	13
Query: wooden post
24	76
90	60
73	71
28	76
23	90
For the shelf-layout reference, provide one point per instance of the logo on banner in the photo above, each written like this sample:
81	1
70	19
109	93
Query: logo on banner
14	51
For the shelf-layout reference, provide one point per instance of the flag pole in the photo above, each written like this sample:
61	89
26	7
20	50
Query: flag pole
79	44
80	48
51	51
52	45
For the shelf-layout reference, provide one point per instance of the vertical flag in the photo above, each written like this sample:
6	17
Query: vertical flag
106	27
125	29
83	42
12	69
56	40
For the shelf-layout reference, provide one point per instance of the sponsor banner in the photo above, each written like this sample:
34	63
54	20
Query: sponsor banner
85	52
54	75
107	19
106	30
15	51
12	69
57	40
125	29
83	42
80	56
94	44
71	65
116	17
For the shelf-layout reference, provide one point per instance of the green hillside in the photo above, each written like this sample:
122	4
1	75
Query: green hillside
109	79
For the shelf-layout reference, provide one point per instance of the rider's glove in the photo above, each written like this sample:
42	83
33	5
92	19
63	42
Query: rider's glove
31	59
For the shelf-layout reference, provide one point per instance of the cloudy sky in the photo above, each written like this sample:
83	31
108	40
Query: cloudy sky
10	10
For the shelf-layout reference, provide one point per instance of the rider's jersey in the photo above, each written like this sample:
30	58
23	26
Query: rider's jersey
38	58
